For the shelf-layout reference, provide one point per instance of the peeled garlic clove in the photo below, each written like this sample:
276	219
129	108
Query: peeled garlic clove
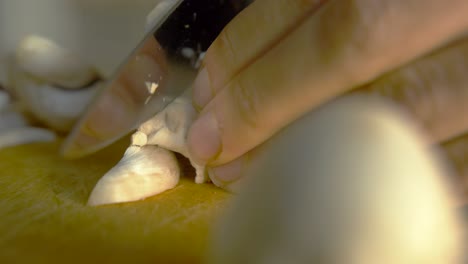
50	83
353	182
23	135
142	172
169	128
50	63
56	108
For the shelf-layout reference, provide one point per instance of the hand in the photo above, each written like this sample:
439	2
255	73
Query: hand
275	62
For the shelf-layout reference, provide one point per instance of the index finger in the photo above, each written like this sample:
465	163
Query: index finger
249	35
345	44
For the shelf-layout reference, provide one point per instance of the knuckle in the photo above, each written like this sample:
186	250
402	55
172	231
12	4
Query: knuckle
410	88
354	29
432	90
246	100
225	46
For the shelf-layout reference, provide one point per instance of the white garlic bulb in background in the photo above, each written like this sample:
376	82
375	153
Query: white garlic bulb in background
353	182
50	63
51	83
14	127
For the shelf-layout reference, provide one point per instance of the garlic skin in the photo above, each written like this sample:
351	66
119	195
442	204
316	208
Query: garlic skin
353	182
53	85
141	173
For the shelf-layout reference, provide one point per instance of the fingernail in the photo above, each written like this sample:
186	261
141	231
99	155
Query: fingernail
226	174
201	89
204	140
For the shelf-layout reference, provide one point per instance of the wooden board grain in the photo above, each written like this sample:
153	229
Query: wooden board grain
44	219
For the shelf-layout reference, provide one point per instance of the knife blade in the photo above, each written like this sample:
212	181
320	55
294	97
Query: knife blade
158	70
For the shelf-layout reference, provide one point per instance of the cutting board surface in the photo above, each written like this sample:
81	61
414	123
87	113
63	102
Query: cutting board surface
44	217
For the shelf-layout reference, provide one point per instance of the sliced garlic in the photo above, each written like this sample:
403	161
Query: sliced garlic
142	172
50	63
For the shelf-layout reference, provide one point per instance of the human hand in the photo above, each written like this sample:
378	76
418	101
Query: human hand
275	62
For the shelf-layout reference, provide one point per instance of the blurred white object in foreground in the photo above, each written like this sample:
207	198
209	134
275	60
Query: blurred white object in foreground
353	182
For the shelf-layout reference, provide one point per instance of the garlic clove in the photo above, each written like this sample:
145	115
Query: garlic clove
50	83
141	173
23	135
47	61
56	108
149	167
169	128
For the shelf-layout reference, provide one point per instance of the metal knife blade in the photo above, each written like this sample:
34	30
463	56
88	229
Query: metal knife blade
161	67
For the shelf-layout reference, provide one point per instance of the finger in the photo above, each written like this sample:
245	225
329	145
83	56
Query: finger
344	45
433	89
230	176
457	152
235	47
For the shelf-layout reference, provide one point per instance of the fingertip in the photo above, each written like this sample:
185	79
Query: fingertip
204	139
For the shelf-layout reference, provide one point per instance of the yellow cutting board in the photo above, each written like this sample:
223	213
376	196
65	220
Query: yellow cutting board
44	217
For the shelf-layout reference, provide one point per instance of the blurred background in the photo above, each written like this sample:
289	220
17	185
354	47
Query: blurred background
102	31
